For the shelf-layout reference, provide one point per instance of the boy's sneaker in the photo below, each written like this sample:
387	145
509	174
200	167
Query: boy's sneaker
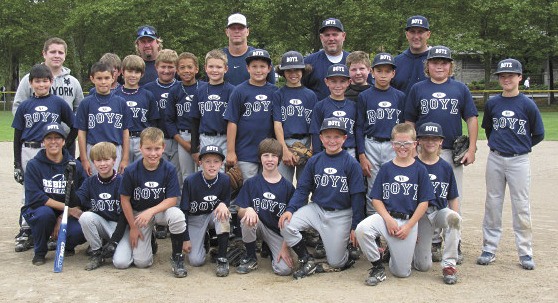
527	262
23	240
177	262
459	254
436	252
486	258
160	231
450	275
38	260
95	261
376	275
319	251
222	267
247	265
307	267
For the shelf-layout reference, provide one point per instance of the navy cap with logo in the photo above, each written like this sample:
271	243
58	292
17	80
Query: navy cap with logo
338	70
54	128
333	123
383	59
292	60
331	22
430	129
147	31
440	52
258	54
417	21
212	150
509	66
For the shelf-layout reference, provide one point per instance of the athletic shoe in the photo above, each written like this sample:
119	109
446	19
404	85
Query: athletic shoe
23	240
108	249
95	261
527	262
450	275
247	265
376	275
38	260
52	244
319	251
486	258
307	267
436	252
160	232
459	254
222	269
177	262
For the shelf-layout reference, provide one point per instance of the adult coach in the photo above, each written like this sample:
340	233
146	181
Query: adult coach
410	63
332	36
148	45
237	31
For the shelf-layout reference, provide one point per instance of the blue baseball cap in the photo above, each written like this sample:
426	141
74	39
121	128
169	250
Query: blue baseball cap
338	70
509	66
430	129
292	60
54	128
417	21
212	150
333	123
258	54
331	22
383	59
147	31
440	52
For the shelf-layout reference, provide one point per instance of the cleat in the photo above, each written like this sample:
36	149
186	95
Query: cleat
95	261
38	260
376	275
436	252
247	265
527	262
108	249
23	240
307	267
222	269
450	275
177	262
486	258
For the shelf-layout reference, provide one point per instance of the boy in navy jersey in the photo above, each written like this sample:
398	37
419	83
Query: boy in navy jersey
442	211
103	117
358	63
141	102
29	120
400	196
513	125
335	180
336	105
100	200
205	199
292	111
148	195
379	109
262	201
249	115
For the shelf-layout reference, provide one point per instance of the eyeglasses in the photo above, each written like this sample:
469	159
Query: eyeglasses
402	143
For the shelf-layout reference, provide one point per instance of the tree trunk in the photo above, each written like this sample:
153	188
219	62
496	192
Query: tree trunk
487	60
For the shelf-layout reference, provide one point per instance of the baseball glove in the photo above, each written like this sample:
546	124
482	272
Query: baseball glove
236	252
460	147
301	152
235	175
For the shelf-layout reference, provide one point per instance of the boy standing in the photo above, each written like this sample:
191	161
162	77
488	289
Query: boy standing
249	115
513	125
358	63
400	197
103	117
205	200
335	180
379	109
148	194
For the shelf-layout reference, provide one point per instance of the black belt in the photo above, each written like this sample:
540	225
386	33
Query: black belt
135	134
378	139
183	130
298	137
213	134
401	216
329	209
506	155
31	144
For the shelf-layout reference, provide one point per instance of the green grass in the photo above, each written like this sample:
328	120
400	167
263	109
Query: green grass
550	120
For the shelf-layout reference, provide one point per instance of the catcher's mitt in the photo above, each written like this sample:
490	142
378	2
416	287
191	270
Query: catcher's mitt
460	147
236	252
235	176
301	152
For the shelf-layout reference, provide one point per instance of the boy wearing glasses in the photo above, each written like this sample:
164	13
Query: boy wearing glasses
400	195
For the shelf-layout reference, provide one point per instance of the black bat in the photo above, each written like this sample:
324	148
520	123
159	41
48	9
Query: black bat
61	244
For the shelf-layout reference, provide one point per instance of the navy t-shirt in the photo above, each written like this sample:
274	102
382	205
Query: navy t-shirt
293	106
443	182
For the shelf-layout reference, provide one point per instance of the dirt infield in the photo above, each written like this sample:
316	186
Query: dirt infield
503	281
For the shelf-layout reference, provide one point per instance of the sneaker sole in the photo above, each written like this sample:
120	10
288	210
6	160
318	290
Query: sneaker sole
450	280
486	262
249	269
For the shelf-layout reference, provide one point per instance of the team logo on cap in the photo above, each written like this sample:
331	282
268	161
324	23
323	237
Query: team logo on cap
339	68
330	22
441	51
385	57
53	126
257	53
330	170
508	113
334	123
292	59
416	21
438	95
211	148
151	184
105	196
105	109
431	128
210	198
131	103
269	195
401	178
41	108
506	64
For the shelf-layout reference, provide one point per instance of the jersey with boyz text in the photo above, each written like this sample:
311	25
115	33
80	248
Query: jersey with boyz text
293	106
443	181
100	197
209	106
198	198
142	107
179	107
161	93
327	108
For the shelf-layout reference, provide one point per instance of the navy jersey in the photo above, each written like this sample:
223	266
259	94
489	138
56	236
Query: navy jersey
179	107
511	122
401	189
335	181
45	180
150	74
410	70
104	118
269	200
209	107
237	72
198	198
327	108
443	182
34	113
161	93
293	106
100	197
148	188
250	108
315	80
446	104
378	111
142	107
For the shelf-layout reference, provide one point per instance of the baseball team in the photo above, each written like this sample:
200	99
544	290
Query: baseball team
380	178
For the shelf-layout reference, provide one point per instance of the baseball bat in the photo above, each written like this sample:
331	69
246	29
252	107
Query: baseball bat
61	244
